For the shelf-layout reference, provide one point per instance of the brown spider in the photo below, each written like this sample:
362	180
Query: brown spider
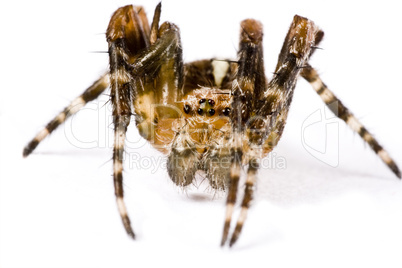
210	115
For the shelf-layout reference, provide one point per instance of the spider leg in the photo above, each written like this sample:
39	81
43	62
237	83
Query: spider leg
341	111
163	62
135	39
158	118
146	73
127	33
271	107
234	177
88	95
250	80
254	164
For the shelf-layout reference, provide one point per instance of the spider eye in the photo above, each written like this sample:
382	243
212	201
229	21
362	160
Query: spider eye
211	102
187	108
202	101
211	112
226	111
200	111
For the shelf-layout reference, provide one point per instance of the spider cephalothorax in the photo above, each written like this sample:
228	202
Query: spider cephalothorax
210	115
205	125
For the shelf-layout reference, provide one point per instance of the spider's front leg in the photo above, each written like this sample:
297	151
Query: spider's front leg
260	110
250	81
146	72
127	33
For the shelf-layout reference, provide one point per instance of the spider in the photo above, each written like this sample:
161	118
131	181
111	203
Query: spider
212	115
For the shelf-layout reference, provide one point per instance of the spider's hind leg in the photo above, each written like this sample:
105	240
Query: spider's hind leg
341	111
88	95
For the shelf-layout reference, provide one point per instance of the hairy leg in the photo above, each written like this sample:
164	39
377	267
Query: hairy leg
89	94
146	72
270	104
341	111
250	81
128	32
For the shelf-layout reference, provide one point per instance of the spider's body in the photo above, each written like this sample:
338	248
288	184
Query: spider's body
202	114
210	115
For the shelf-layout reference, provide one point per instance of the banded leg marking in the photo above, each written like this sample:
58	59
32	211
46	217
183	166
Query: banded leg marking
121	102
118	151
311	75
89	94
235	169
127	33
248	196
270	100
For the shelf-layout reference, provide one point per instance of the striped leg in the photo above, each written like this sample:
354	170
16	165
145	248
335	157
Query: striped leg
247	87
128	32
270	104
145	70
89	94
121	124
121	102
235	169
337	107
248	196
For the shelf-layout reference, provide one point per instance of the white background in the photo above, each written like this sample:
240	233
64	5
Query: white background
57	207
